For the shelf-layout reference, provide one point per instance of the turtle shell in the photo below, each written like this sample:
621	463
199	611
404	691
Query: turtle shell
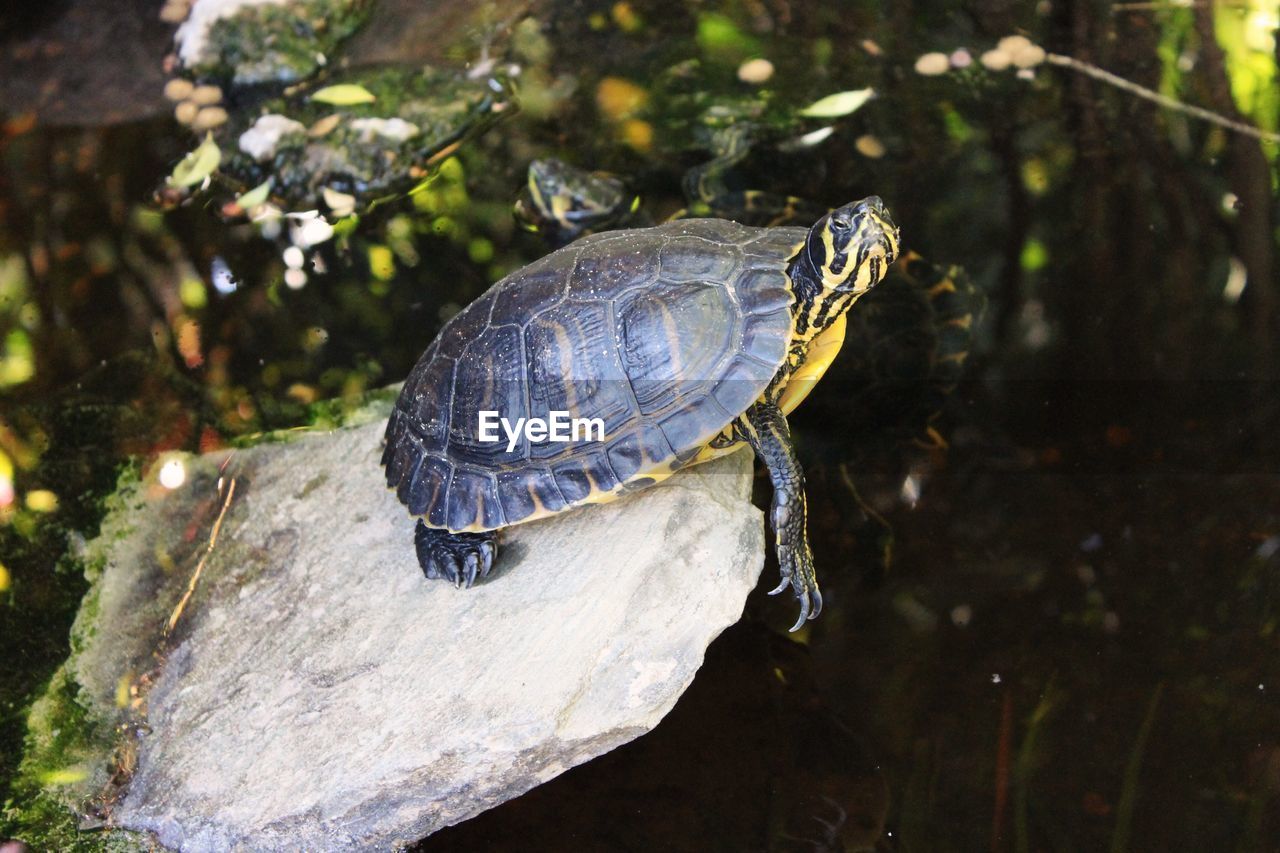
664	334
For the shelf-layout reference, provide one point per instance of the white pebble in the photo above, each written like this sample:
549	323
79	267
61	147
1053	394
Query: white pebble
261	140
869	146
206	95
174	13
755	71
295	279
996	60
1029	57
293	258
933	64
209	118
395	130
1013	44
178	89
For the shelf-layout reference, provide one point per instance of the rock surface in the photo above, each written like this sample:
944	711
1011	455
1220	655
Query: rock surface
318	693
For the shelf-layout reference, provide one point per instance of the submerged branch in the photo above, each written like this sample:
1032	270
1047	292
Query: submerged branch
1165	101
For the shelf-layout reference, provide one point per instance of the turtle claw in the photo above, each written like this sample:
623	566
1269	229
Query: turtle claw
810	606
472	565
796	567
460	558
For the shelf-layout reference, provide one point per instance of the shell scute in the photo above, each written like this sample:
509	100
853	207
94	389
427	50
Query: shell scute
717	230
739	387
673	337
642	449
601	272
489	377
573	367
522	492
696	259
472	501
764	291
518	299
770	246
761	341
578	477
696	423
425	488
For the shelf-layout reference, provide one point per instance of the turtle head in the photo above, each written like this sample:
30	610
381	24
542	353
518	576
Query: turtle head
851	248
562	202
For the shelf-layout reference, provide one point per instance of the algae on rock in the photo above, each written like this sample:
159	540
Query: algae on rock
246	42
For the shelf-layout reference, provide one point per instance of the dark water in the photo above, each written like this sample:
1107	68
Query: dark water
1059	633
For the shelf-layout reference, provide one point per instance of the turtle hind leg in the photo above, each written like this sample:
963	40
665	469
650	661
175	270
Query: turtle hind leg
456	557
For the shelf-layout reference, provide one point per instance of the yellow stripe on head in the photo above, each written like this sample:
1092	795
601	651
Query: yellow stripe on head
852	247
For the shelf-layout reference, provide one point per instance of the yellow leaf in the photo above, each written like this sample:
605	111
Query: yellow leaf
839	104
197	165
344	95
255	196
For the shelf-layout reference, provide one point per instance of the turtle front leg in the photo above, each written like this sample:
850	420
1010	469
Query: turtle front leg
766	430
457	557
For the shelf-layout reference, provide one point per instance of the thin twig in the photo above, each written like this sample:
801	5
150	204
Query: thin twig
204	558
1170	5
1165	101
886	550
1160	5
847	479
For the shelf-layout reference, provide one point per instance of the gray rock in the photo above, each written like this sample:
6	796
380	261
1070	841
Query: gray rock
318	693
265	41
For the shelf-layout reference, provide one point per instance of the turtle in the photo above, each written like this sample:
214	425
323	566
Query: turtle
686	340
561	202
917	324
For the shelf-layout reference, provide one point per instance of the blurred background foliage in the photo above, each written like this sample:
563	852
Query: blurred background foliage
1058	634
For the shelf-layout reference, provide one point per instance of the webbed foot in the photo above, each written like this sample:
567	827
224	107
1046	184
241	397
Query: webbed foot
456	557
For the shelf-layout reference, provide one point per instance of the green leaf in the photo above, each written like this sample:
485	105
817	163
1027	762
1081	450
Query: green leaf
344	95
839	104
255	196
197	165
346	225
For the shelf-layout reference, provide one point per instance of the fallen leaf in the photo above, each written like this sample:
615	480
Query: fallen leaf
255	196
197	165
839	104
344	95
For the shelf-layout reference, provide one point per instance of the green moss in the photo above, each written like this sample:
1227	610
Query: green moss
65	764
346	412
280	42
445	107
332	414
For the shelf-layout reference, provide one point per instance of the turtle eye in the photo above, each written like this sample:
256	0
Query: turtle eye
841	221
